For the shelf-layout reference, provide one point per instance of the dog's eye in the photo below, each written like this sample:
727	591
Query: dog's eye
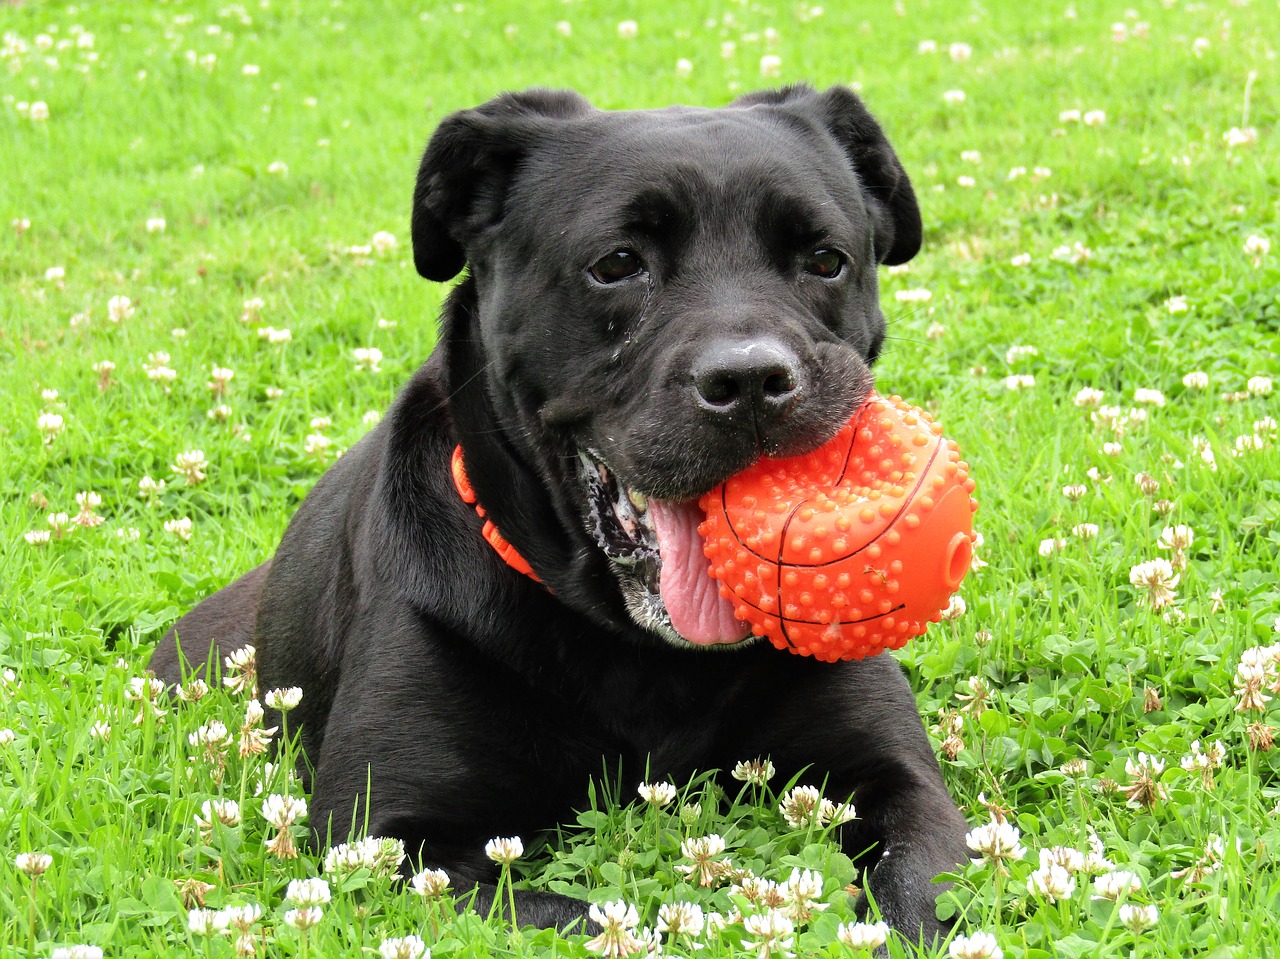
825	263
618	265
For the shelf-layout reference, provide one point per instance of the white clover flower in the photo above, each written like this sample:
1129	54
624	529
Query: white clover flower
617	938
801	806
405	947
1158	578
367	358
1069	858
225	811
1196	380
1021	259
684	67
681	919
50	424
1145	790
1089	396
1095	118
1019	381
1176	304
979	945
282	811
960	52
757	772
1052	882
308	892
659	794
278	168
1138	918
181	527
954	96
77	952
702	851
284	699
996	842
564	28
628	29
191	466
773	934
1259	386
1085	531
429	883
206	922
1240	137
156	224
212	733
771	65
304	918
1256	247
383	241
121	308
149	488
801	893
1148	396
865	936
1076	253
913	296
1116	885
33	863
316	444
925	47
504	850
1019	352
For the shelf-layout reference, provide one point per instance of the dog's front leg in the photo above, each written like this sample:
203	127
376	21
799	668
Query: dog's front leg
908	831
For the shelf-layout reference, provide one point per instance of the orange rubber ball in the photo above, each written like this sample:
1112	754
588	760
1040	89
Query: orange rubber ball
853	548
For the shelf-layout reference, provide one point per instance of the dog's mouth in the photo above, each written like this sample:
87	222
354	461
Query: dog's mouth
655	550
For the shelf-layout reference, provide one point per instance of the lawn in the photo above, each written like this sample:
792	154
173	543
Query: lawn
208	294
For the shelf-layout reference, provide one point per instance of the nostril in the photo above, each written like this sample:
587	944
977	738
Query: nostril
779	385
719	390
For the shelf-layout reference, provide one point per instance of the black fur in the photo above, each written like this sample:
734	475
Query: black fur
479	703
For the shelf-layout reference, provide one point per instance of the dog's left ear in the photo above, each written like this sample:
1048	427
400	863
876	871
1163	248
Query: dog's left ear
888	192
467	167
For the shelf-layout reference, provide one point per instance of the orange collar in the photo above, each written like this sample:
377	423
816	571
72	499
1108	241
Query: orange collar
489	531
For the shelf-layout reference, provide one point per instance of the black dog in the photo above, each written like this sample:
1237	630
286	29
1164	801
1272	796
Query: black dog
655	299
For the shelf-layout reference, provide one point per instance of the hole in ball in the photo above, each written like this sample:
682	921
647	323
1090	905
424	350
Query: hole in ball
958	559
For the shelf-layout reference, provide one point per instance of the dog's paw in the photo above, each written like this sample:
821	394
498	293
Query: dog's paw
544	910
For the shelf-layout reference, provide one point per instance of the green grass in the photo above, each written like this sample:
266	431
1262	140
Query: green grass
1064	649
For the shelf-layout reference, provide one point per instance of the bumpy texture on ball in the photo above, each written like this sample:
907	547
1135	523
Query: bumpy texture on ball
851	549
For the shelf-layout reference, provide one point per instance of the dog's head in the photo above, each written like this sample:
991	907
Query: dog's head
655	300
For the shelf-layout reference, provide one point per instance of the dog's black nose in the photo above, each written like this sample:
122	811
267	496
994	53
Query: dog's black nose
759	379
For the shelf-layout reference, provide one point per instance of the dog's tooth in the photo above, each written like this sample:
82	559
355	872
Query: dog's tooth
638	500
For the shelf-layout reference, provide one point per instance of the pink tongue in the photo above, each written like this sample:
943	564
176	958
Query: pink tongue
692	598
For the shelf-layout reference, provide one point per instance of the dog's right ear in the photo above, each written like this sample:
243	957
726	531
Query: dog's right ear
466	168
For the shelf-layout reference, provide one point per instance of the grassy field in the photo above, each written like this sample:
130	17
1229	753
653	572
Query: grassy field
204	217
